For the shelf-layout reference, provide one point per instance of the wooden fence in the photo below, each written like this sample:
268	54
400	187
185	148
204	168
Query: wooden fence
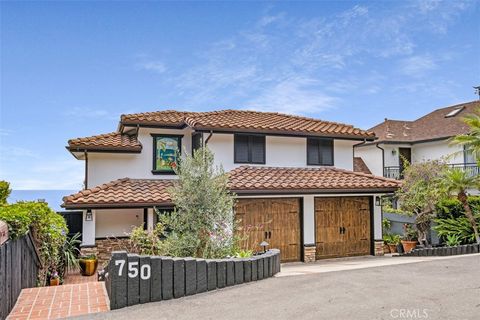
19	265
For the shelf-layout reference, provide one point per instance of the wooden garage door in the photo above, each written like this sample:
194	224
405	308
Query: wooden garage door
342	226
277	221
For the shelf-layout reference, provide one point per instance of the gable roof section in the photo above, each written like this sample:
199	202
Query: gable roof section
106	142
122	193
434	126
250	179
246	121
127	192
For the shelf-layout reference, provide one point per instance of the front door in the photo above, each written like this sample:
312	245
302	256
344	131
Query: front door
275	220
342	226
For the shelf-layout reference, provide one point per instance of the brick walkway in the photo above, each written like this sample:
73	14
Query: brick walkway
60	301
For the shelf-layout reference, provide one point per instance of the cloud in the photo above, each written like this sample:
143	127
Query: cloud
153	66
5	132
417	66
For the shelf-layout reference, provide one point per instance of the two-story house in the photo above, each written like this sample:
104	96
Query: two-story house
294	171
427	138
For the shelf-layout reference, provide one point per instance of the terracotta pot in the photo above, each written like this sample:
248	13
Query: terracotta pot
55	282
88	266
408	245
386	248
393	248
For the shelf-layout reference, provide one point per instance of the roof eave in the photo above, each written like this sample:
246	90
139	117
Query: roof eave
115	205
243	192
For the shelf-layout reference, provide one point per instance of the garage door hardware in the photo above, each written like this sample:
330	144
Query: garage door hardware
342	230
268	234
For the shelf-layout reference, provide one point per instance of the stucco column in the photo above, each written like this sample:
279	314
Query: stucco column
150	219
377	227
309	228
88	229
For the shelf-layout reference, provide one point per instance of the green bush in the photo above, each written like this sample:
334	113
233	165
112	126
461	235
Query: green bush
452	208
49	230
4	192
459	227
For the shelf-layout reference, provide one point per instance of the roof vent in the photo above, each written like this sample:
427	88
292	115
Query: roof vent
454	112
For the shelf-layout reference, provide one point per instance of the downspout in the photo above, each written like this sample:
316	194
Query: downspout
86	170
208	138
383	157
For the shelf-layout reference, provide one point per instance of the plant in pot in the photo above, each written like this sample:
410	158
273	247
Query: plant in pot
54	278
88	265
393	243
386	240
409	239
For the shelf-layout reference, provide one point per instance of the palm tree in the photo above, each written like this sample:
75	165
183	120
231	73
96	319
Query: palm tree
471	141
457	182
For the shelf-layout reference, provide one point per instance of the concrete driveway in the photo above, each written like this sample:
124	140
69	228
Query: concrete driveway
437	289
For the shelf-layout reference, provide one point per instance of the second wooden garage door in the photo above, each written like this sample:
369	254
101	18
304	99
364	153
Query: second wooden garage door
276	221
342	226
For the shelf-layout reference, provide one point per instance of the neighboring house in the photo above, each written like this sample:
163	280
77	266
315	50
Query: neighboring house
294	171
427	138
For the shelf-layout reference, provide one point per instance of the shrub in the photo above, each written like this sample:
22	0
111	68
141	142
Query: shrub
452	208
49	230
4	192
459	227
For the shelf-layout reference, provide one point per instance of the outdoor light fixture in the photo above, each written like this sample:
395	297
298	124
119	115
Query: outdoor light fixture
89	215
264	245
378	201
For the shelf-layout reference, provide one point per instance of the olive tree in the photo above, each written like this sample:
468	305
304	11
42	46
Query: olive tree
422	188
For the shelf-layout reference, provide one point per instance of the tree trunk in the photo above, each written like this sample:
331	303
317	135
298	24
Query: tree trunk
462	197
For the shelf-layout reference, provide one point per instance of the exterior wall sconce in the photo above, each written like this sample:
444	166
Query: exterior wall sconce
378	201
394	152
89	215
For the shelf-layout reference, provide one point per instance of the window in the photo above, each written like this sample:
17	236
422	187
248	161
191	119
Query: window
320	151
166	153
249	149
468	156
197	141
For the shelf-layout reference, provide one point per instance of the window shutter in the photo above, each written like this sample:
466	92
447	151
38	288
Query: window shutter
257	148
312	152
241	148
326	152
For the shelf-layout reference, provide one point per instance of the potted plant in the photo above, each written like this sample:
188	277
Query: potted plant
88	265
409	240
392	242
54	279
386	240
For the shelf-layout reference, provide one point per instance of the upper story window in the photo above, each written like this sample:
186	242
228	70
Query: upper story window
249	148
320	151
166	153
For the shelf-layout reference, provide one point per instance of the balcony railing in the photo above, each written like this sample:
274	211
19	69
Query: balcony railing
393	172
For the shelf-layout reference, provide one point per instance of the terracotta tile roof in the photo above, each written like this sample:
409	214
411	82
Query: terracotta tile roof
434	125
247	179
122	193
241	120
360	166
107	141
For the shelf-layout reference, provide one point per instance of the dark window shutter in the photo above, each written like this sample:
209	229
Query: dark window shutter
312	152
196	141
257	149
326	152
241	148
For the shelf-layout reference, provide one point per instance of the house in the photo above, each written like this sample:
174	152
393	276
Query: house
294	171
427	138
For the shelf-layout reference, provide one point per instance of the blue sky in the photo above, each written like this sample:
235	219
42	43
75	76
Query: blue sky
69	69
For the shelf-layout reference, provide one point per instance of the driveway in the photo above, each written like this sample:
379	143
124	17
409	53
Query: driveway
437	289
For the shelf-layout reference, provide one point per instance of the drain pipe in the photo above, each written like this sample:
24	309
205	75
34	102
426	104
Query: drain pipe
208	138
383	157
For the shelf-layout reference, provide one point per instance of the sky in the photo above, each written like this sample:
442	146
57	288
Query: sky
70	69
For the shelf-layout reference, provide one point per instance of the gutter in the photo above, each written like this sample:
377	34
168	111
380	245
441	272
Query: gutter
383	157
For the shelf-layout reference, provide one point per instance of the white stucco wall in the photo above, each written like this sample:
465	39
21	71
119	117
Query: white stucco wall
105	167
117	222
437	150
280	152
372	156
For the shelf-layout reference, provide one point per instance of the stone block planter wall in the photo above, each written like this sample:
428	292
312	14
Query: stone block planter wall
132	279
445	251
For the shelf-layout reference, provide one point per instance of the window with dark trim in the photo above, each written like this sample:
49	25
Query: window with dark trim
197	141
249	148
166	153
320	151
